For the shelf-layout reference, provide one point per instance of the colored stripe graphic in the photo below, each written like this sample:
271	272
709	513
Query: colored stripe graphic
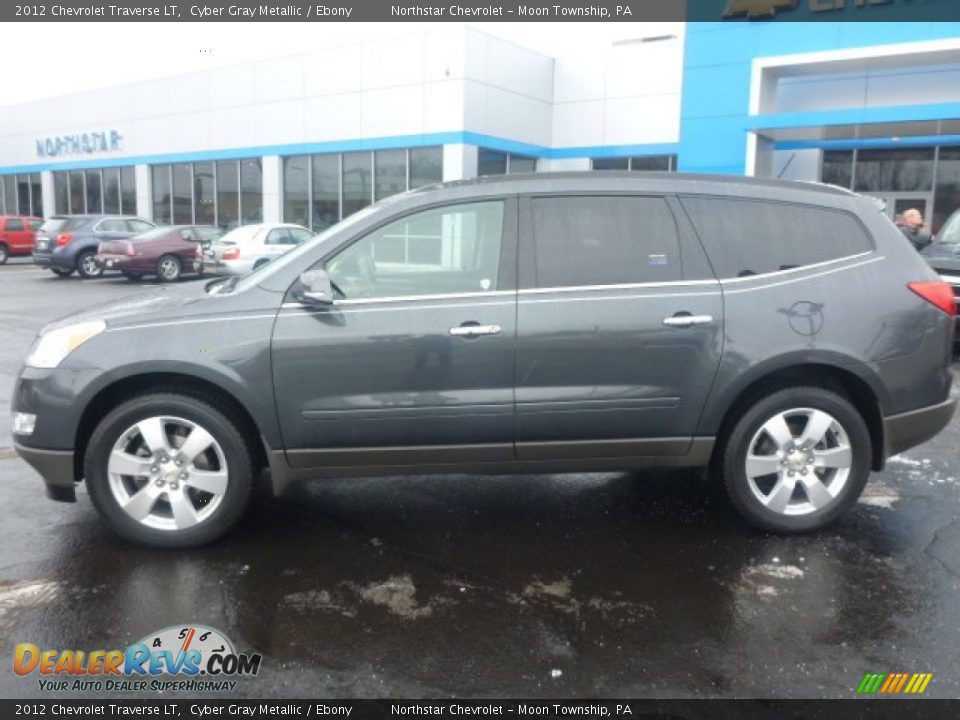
894	683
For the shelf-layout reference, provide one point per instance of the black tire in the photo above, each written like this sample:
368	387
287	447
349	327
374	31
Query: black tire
169	268
85	267
734	458
61	273
132	276
4	253
204	413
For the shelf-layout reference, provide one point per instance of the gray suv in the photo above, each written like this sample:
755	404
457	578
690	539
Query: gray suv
784	335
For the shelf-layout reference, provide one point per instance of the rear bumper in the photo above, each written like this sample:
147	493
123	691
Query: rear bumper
53	260
906	430
56	469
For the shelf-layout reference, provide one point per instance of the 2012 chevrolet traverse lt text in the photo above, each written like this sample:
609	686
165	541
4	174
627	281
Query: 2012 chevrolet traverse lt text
784	335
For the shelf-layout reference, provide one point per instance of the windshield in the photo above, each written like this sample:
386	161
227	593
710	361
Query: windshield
950	233
291	256
63	224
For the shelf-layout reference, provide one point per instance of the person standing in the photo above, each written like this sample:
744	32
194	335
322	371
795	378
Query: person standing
912	226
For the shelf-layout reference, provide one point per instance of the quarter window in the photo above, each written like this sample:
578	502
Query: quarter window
752	237
604	241
454	249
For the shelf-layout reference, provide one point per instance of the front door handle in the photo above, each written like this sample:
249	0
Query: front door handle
683	321
470	331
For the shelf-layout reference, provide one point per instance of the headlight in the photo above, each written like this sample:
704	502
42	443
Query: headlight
52	347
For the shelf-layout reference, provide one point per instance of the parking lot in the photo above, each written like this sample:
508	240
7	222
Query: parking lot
613	585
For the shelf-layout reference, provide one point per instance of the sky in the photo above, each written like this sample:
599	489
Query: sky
74	57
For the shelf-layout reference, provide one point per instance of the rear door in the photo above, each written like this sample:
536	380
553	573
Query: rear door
414	361
619	327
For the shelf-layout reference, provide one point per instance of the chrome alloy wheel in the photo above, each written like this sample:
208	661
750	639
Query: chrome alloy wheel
169	268
168	473
799	461
88	265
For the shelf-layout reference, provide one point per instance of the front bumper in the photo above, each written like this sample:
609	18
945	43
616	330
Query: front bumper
56	469
906	430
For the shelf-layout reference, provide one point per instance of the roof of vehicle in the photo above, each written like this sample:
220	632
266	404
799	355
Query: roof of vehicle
661	181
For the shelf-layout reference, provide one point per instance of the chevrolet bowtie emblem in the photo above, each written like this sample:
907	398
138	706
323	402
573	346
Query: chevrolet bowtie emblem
757	8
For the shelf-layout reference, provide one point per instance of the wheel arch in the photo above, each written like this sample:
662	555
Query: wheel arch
842	380
125	388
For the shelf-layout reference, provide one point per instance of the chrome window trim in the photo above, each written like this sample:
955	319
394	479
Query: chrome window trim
531	301
619	286
805	277
307	310
802	268
411	298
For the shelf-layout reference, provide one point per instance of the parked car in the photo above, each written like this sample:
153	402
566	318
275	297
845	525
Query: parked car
943	255
783	335
16	235
166	252
68	243
251	246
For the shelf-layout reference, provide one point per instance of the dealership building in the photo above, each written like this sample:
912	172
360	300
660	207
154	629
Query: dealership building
314	136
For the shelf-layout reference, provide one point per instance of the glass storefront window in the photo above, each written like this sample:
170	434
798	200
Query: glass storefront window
228	195
357	179
521	164
621	163
161	194
645	163
94	199
426	166
326	191
78	201
899	170
204	207
182	194
491	162
251	191
389	172
23	195
128	190
837	168
61	193
296	190
111	190
10	194
36	195
947	198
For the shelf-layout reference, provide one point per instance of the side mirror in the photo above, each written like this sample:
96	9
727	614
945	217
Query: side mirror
316	288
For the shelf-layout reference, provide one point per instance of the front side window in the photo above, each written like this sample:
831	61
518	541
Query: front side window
112	225
595	240
447	250
752	237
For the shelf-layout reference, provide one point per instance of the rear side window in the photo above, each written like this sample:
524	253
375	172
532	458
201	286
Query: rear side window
279	236
14	224
594	240
64	224
752	237
139	226
112	225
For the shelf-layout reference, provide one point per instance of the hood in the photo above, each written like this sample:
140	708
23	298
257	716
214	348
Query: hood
942	250
162	303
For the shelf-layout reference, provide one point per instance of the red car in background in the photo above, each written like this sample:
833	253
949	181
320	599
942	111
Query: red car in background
166	252
17	235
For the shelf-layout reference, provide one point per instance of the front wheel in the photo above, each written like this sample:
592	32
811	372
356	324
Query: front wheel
796	460
169	470
87	265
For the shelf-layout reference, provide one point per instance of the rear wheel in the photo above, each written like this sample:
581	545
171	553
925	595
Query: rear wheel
796	460
169	268
87	265
4	253
169	470
61	273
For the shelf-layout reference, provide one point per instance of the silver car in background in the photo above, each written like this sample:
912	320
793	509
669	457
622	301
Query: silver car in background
247	248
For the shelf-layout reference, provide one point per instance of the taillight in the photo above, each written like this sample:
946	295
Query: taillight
198	252
231	253
936	293
129	249
64	238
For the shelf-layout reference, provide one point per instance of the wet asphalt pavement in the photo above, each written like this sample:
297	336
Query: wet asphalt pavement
613	585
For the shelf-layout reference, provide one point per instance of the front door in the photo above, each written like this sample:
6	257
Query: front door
619	328
414	361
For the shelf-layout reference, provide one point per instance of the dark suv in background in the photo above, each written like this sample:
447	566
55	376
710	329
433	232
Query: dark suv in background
784	335
68	243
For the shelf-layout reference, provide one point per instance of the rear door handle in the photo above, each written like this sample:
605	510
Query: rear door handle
683	321
470	331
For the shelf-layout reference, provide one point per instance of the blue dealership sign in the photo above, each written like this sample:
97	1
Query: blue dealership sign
88	143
